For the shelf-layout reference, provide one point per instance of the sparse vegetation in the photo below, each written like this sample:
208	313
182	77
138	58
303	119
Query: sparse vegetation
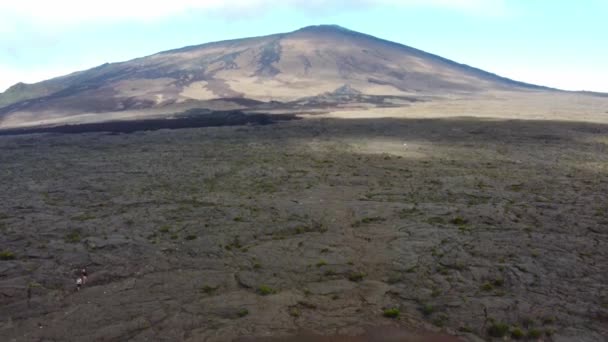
368	220
243	312
491	285
236	244
7	255
266	290
407	213
83	217
307	305
394	278
440	320
392	313
465	329
34	285
480	244
356	276
459	221
517	333
535	333
427	309
208	289
498	329
435	220
548	320
498	282
487	286
73	237
294	312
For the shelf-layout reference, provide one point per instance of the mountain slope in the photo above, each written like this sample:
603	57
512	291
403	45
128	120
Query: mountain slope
283	67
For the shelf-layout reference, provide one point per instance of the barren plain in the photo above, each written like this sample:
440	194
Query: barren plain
473	221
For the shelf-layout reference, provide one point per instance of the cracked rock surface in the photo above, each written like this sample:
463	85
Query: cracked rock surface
318	225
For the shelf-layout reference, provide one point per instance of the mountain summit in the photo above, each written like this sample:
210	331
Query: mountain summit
309	62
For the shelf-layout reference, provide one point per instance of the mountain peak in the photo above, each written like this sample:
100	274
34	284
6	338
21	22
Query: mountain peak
309	62
323	28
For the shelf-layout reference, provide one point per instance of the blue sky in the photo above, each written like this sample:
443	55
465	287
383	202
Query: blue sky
556	43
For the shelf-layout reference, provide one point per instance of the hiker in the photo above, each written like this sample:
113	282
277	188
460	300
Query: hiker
83	275
78	283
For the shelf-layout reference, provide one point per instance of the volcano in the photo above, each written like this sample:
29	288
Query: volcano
307	64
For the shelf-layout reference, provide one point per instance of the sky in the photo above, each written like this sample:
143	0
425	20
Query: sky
556	43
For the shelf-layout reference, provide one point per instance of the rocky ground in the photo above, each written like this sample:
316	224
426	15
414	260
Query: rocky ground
469	227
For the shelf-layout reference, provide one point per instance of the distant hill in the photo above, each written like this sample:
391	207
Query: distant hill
313	61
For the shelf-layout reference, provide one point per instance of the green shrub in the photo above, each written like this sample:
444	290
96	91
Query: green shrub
459	221
236	243
164	229
441	320
435	220
427	309
294	312
534	333
465	329
321	263
356	276
83	217
372	219
527	322
34	285
73	237
394	278
487	287
307	305
498	329
392	313
517	333
548	320
265	290
243	312
368	220
7	255
190	237
208	289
